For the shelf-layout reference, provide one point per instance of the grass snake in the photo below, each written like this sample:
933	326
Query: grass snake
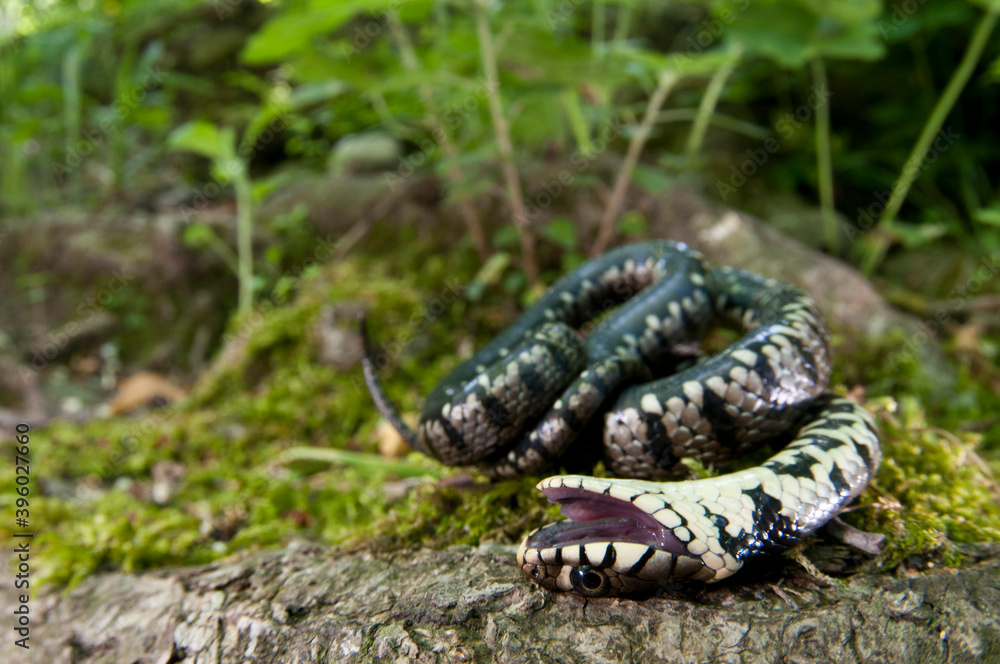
615	340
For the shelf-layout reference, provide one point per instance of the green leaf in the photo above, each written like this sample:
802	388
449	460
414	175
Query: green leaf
989	216
653	180
295	26
506	237
204	138
515	282
793	32
560	231
307	94
577	122
198	235
993	5
632	224
915	235
571	261
488	275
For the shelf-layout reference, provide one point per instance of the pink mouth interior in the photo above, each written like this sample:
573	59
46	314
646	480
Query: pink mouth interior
596	517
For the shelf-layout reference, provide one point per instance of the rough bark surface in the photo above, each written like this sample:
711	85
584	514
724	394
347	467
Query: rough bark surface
312	604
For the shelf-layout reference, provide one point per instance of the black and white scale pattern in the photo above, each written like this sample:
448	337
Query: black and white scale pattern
606	341
748	394
706	529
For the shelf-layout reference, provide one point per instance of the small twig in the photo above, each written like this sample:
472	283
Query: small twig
979	425
360	460
665	84
798	555
872	543
785	598
472	223
353	235
515	197
244	238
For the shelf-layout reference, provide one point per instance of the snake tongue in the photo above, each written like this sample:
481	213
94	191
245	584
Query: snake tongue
596	517
572	533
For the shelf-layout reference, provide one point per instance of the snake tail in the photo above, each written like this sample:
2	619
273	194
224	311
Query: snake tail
381	399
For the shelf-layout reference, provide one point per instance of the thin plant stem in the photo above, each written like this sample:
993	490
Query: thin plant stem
219	246
717	119
72	112
623	21
824	162
126	67
577	122
665	84
244	246
515	197
708	102
911	169
597	26
469	215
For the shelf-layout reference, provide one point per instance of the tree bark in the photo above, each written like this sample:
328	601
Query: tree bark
316	604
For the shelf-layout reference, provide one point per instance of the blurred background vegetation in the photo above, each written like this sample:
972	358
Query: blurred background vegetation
100	97
866	129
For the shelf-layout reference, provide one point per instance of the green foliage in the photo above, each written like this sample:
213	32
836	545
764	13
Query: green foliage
209	141
562	232
244	484
932	490
794	32
322	69
259	469
95	95
633	224
219	145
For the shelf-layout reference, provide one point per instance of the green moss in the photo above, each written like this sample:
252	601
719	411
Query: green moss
935	488
464	513
98	508
249	448
931	491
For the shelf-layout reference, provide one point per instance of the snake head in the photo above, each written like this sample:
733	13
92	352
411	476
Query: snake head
612	543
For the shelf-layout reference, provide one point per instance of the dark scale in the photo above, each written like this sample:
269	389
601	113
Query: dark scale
624	313
660	445
724	428
801	467
737	546
647	281
839	483
770	527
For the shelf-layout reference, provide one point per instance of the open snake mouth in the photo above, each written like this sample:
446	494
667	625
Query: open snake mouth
597	517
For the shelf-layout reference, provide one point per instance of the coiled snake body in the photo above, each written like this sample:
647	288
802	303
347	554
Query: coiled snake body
517	405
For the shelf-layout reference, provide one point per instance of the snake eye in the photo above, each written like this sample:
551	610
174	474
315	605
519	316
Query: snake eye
589	581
